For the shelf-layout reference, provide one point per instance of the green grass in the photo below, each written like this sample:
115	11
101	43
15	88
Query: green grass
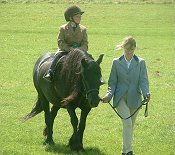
29	30
91	1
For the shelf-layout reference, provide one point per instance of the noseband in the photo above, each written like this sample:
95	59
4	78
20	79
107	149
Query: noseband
90	91
87	92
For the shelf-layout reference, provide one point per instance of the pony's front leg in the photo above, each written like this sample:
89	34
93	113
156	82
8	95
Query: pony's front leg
82	124
74	141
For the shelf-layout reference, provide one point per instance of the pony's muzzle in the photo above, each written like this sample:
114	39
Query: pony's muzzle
93	102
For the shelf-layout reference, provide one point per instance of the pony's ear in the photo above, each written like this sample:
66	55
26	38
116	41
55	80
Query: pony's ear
84	63
100	58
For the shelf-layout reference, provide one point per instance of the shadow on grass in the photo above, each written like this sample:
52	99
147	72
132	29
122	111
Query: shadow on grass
64	149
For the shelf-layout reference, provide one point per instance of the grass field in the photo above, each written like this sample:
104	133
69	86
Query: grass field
28	30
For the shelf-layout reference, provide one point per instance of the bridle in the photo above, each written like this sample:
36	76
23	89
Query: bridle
90	91
86	92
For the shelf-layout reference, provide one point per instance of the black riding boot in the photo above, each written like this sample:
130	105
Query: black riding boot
49	75
130	153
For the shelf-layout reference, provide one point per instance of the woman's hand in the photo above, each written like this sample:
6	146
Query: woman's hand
147	97
105	99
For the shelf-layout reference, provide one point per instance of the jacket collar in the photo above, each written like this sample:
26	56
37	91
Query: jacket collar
134	56
70	28
134	62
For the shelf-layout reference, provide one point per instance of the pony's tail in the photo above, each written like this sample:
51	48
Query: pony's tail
37	108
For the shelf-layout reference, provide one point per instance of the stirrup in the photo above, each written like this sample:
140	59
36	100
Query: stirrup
48	76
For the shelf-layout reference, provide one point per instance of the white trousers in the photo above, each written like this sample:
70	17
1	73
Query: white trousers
128	124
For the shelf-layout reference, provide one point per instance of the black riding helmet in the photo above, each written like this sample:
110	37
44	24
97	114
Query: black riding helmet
71	11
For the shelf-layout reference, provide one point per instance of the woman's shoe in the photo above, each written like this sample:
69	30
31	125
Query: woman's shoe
130	153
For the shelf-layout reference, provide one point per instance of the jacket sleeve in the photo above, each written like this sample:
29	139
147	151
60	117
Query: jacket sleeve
143	81
84	43
112	82
61	40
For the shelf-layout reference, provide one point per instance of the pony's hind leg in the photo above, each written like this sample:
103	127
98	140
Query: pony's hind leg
53	114
47	115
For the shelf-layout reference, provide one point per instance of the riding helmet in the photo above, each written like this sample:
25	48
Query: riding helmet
71	11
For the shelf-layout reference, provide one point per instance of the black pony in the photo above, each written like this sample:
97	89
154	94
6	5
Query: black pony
76	84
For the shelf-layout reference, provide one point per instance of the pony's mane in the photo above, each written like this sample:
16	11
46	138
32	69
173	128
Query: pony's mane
71	73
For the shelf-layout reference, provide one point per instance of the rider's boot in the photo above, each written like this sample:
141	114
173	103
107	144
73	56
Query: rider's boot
49	75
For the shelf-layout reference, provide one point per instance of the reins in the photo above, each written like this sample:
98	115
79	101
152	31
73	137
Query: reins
144	102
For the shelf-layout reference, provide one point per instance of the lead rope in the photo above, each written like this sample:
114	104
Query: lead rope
144	102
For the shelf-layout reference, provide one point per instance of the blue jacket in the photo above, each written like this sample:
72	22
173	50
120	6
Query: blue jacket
133	81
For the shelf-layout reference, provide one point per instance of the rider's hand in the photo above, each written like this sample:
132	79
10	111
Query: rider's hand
71	49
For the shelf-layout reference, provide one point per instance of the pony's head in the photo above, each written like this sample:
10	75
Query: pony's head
92	79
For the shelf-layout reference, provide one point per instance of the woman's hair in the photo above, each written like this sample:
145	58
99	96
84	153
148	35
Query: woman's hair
126	41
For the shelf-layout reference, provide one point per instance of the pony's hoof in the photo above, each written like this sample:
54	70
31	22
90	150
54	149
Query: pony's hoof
49	142
45	132
81	150
77	148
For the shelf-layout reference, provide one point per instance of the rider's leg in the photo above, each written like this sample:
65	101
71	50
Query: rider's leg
49	75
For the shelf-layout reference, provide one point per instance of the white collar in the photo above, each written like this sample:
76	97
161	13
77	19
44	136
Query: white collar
127	60
73	24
